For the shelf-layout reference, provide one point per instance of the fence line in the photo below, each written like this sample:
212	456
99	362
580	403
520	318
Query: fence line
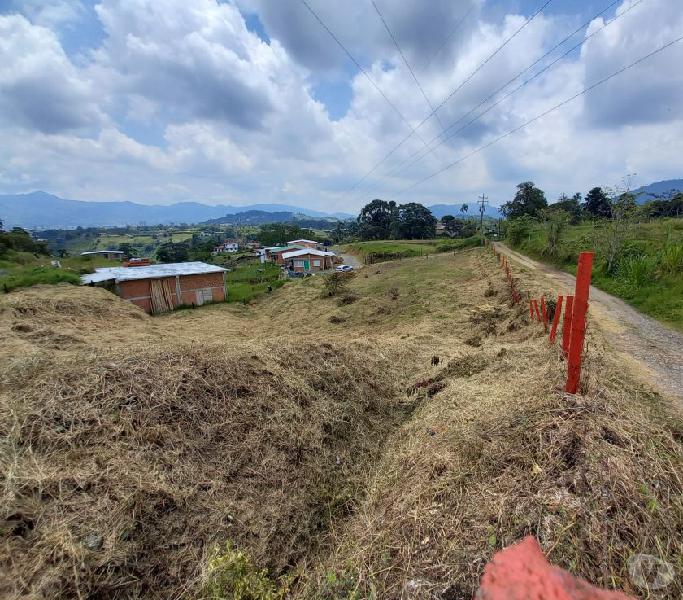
575	309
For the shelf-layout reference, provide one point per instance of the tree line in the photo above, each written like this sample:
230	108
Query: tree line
599	203
382	220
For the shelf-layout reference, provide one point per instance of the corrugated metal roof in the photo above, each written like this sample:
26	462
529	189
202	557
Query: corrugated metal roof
294	242
305	251
150	272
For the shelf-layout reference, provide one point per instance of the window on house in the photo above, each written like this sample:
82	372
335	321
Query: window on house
298	263
316	263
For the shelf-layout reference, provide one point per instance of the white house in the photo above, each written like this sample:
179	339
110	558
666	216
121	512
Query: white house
227	246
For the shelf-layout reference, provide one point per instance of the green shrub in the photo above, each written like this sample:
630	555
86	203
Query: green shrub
518	230
336	282
232	576
670	259
637	270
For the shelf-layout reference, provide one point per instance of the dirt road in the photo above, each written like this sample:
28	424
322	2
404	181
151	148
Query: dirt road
653	349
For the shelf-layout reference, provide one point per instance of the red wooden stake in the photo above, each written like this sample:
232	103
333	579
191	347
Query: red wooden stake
544	313
538	313
583	282
567	325
556	319
531	309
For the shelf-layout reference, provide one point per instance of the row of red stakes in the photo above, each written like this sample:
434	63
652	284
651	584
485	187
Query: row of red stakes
574	323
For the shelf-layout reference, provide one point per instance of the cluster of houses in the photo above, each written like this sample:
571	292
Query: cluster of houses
300	256
164	287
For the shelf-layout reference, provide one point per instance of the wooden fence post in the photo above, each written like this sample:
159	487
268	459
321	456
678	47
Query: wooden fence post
583	282
556	319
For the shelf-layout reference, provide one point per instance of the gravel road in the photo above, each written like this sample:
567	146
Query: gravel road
654	349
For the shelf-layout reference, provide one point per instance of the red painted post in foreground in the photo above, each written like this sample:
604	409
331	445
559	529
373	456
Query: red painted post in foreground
538	312
583	282
531	309
567	325
544	313
556	319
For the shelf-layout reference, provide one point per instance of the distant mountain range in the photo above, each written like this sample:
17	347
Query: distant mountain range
658	188
260	217
45	211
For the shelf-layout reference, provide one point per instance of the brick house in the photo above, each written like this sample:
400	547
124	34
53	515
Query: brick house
308	260
274	253
305	244
160	288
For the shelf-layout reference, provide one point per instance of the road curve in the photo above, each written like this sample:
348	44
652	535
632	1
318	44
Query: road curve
653	348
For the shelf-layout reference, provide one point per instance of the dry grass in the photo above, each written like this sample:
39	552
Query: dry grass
387	454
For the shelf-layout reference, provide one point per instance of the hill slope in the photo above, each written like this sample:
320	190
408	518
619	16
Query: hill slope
317	436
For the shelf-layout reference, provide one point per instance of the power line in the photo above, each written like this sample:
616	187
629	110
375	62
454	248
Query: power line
543	114
447	98
405	61
361	69
409	162
482	202
450	35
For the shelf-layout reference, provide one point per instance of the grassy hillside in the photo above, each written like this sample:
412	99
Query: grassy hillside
23	269
382	443
384	250
648	273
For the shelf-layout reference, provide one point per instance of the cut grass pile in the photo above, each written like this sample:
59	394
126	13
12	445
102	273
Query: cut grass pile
126	470
379	456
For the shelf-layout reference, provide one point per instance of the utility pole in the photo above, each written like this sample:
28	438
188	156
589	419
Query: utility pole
482	202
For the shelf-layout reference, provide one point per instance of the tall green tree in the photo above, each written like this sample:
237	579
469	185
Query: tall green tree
171	252
376	220
597	204
416	221
529	200
572	206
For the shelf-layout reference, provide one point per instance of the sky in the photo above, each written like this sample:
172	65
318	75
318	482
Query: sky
245	101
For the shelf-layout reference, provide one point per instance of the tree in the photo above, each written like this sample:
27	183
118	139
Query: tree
415	221
447	219
279	233
129	251
171	252
623	209
572	206
555	222
529	200
461	228
376	220
464	208
597	204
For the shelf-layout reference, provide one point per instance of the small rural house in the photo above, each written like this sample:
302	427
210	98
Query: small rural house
305	244
110	254
274	253
161	288
226	246
308	260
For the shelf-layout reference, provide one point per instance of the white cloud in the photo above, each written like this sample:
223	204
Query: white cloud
181	101
39	86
